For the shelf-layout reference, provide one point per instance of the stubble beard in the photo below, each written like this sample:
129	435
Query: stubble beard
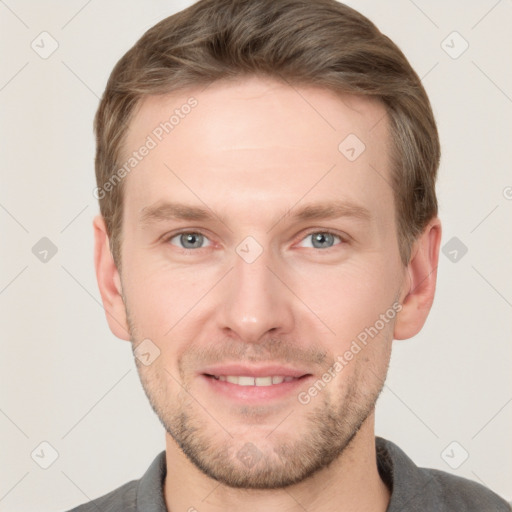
291	451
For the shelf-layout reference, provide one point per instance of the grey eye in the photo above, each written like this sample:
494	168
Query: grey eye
189	240
320	240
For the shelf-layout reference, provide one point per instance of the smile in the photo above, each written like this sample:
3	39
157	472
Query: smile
245	380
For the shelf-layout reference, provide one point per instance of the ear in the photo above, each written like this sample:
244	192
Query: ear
109	281
420	284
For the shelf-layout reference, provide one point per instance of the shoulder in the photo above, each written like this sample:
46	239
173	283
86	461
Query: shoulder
416	488
137	495
122	499
457	493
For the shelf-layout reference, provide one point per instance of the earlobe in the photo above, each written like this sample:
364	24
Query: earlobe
420	283
109	282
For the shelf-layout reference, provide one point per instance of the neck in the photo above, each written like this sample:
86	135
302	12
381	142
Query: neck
350	484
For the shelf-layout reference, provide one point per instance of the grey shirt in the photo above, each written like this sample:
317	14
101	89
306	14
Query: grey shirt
412	488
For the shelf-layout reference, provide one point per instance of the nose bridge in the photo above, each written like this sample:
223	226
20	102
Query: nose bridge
255	302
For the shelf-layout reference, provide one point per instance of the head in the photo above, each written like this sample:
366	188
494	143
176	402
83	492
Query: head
267	197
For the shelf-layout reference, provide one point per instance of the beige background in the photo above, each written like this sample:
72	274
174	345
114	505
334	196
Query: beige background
66	380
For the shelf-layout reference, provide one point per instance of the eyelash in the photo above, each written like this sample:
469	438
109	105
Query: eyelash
343	239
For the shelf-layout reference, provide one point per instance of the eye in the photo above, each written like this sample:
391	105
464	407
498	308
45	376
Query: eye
320	240
190	240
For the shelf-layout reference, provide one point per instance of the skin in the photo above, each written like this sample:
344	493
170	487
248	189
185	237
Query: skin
253	153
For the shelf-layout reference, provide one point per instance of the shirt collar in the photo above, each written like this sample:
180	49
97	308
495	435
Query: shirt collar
150	491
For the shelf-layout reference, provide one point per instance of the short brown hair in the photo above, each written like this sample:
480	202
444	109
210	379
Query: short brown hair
303	42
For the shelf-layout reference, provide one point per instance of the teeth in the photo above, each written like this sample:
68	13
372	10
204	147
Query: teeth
244	380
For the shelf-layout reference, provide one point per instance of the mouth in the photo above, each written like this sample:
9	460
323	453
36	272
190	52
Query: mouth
247	380
252	385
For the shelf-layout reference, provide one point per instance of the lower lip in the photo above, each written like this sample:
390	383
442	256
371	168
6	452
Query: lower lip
255	394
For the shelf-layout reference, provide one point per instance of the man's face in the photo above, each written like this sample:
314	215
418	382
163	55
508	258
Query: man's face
280	249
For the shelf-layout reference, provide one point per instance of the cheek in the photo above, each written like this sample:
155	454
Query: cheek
163	299
350	298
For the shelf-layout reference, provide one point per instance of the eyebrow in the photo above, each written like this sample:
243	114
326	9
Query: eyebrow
165	211
177	211
331	210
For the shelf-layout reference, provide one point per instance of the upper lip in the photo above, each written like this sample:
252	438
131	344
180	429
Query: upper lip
254	371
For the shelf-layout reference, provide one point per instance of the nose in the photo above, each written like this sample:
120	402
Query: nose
255	302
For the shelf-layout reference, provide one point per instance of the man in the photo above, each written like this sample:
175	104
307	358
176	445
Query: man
266	175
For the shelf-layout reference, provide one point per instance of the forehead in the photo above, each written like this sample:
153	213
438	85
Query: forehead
259	103
258	140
